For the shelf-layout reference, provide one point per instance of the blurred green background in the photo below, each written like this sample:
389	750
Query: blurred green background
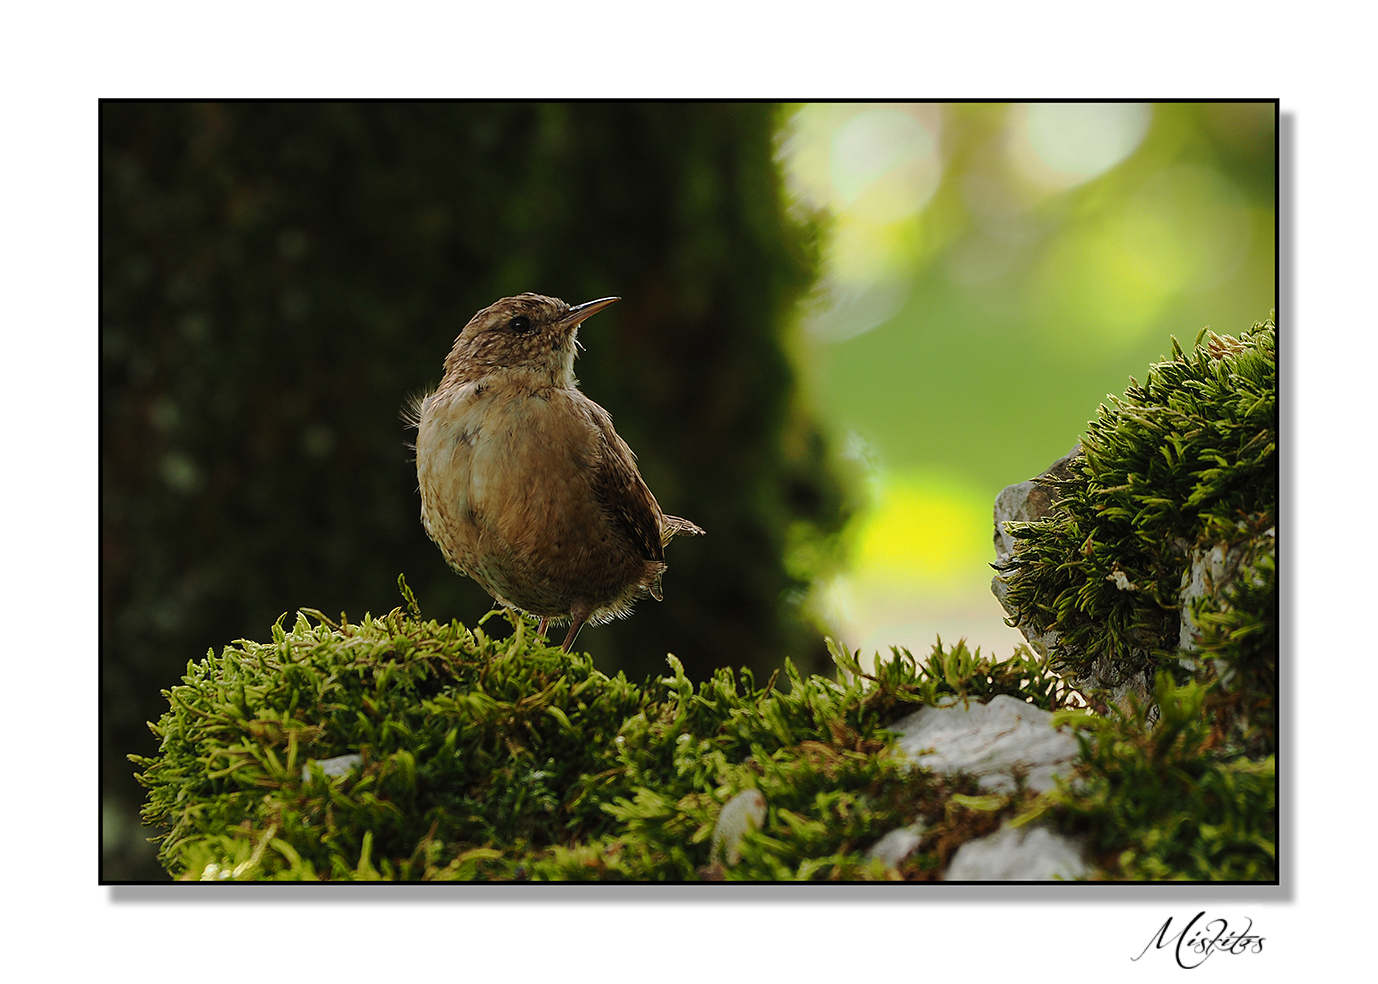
844	329
991	273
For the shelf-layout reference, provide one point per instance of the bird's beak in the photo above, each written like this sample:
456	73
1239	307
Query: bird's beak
581	312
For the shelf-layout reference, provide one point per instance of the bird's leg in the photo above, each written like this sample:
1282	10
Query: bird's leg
573	631
540	629
578	613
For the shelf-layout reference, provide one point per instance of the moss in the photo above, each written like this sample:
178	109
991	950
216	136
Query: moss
507	759
1182	464
504	759
1239	634
1177	485
1163	800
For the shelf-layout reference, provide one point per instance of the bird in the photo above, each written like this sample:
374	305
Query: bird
525	486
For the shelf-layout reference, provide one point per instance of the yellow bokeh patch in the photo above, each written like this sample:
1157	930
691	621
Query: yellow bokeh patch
927	529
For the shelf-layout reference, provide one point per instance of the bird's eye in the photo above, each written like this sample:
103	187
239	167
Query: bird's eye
519	325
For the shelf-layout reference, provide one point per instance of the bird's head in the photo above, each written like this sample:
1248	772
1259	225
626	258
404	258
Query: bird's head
526	333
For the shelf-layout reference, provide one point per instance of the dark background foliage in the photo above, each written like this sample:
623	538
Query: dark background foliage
276	281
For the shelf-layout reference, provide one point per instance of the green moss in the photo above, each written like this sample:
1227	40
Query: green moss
505	759
1163	801
1239	634
508	759
1185	462
1178	478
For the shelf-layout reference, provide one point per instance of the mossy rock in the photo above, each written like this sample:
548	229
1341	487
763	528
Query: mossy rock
1150	579
475	758
1157	543
507	759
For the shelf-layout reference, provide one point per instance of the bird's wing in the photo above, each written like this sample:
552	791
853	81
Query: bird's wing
618	484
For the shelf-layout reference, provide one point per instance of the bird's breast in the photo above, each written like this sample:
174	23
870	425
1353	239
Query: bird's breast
496	463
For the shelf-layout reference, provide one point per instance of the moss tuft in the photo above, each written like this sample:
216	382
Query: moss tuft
1182	465
1158	561
481	758
1163	801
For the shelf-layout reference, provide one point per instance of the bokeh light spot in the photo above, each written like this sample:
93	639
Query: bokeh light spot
884	165
1109	279
1059	145
1100	293
927	529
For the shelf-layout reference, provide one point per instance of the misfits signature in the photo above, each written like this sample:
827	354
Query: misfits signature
1198	940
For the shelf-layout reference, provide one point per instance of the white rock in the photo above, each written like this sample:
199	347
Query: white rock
1026	502
989	741
1018	854
897	845
340	765
1211	571
743	812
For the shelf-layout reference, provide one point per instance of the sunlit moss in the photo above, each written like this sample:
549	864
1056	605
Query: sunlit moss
1182	464
506	759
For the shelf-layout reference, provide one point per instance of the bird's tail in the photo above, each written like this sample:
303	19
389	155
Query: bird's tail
673	525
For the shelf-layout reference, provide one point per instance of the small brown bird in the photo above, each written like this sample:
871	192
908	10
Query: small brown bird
525	486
